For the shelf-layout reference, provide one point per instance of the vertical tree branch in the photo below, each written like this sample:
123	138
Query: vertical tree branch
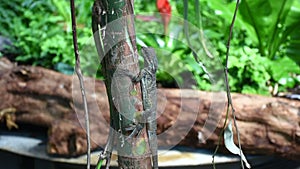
119	52
80	77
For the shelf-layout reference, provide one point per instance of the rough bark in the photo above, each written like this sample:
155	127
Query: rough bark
119	51
46	98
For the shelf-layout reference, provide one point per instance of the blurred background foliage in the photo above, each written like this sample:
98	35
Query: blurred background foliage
265	48
41	30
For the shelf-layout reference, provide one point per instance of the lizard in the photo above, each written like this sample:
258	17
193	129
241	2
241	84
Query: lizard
100	19
147	77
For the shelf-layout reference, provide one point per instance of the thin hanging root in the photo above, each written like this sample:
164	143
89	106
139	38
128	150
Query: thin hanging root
80	77
230	104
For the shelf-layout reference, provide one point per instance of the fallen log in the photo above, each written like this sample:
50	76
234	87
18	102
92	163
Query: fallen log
44	98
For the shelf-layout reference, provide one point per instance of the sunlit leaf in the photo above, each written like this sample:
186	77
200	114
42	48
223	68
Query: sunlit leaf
229	144
273	22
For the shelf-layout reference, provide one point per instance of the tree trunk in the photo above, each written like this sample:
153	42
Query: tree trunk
119	52
43	97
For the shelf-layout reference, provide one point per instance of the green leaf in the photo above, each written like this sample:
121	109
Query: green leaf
287	82
283	67
99	164
273	22
229	144
292	49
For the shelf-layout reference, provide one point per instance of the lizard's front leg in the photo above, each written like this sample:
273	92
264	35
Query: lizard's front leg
137	127
135	130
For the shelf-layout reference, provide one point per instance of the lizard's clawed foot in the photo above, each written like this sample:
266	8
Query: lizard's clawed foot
103	155
136	130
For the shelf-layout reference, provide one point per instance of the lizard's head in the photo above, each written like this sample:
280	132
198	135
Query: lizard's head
150	58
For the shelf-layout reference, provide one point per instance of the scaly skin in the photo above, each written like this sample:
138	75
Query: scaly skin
148	85
147	77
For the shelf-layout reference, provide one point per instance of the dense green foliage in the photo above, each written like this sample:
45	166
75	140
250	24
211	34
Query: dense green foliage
41	30
265	44
264	49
